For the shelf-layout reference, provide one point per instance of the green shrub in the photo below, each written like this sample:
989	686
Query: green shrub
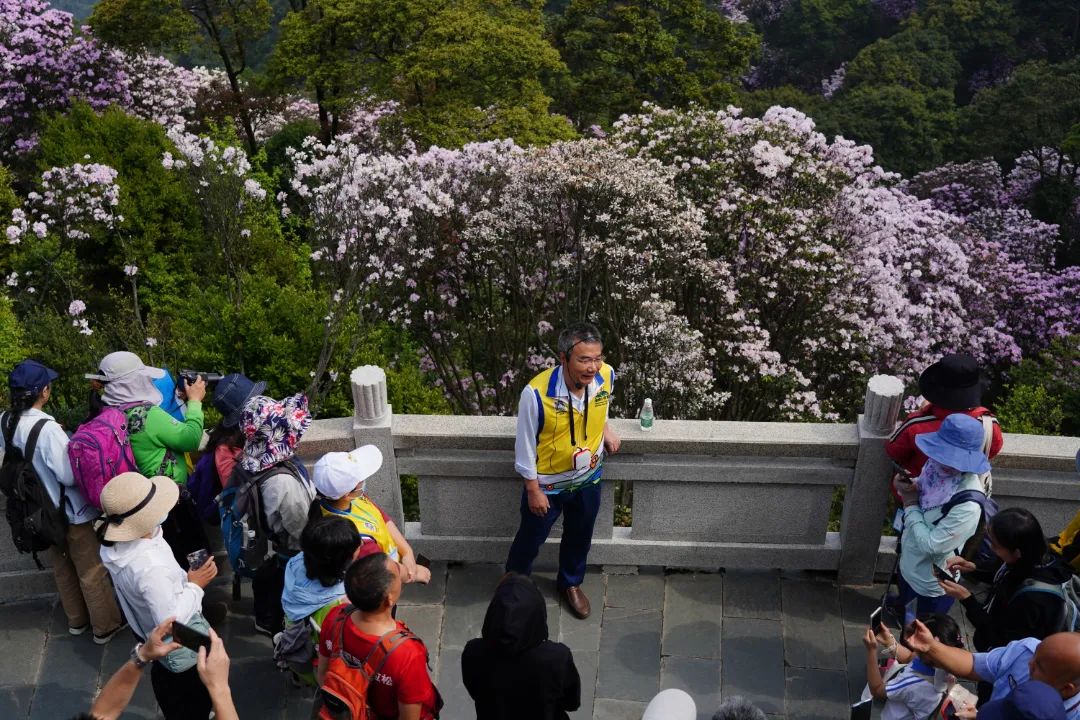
1042	393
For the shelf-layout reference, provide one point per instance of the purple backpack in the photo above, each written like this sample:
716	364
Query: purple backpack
99	451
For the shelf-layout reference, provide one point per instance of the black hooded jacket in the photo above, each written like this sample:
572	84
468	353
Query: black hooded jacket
513	672
1006	616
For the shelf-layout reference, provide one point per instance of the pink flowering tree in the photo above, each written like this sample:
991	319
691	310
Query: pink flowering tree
740	268
48	231
385	230
46	66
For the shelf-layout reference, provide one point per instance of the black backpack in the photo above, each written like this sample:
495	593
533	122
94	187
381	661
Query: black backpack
36	522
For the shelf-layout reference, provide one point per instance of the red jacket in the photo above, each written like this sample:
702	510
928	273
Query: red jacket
905	453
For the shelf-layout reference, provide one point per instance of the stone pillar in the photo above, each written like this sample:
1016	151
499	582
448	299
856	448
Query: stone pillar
372	420
868	492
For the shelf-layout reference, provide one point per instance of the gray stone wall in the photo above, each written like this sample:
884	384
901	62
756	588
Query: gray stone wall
706	494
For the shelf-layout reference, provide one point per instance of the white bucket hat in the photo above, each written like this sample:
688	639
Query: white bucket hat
337	473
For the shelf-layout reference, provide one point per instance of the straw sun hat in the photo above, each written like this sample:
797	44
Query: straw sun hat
134	505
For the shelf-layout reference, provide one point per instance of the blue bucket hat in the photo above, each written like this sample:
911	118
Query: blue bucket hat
1032	700
30	377
957	443
232	393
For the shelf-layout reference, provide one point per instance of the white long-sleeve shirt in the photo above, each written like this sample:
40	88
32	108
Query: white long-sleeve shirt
51	464
150	584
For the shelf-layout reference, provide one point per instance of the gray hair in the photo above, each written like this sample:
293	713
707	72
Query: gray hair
578	332
738	708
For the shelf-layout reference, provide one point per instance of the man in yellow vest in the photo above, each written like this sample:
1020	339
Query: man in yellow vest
562	435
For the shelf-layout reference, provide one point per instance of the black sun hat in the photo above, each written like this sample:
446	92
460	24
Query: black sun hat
955	382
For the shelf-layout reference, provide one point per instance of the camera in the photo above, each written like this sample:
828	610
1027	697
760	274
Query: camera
187	377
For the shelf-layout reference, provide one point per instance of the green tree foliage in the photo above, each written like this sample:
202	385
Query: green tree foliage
1043	392
230	30
1037	107
670	52
909	129
756	102
461	70
811	38
912	59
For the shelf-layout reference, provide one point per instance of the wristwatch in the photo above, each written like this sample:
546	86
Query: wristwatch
139	662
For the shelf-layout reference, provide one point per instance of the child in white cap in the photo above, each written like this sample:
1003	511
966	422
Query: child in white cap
339	479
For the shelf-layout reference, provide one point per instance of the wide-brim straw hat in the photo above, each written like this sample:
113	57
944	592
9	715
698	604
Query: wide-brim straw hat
133	505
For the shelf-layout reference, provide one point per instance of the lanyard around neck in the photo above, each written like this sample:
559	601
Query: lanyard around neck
584	415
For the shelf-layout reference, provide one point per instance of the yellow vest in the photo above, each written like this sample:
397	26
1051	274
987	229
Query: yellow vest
555	412
367	518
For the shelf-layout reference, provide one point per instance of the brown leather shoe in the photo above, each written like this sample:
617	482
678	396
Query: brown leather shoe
575	598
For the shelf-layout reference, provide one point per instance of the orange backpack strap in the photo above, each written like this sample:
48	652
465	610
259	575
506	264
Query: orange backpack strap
382	650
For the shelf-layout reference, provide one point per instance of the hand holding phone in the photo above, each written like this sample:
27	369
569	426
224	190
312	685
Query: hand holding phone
875	621
944	574
189	637
197	559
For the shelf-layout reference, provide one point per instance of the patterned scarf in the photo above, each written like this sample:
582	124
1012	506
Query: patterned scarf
937	484
272	429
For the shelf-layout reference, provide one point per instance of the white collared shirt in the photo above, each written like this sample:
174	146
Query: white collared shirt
51	464
150	584
527	419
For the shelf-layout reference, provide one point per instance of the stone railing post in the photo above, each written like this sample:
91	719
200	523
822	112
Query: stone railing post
372	419
864	501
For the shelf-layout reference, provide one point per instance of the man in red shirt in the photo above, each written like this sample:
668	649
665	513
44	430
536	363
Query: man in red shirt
952	384
402	688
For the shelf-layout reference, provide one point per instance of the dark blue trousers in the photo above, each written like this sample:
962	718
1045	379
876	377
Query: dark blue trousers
578	509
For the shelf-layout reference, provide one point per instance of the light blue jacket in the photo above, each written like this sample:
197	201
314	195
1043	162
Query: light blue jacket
304	596
924	544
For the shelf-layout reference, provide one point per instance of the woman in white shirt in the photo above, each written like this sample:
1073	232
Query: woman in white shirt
81	580
152	586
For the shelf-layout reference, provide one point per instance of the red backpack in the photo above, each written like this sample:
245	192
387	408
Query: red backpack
99	451
344	692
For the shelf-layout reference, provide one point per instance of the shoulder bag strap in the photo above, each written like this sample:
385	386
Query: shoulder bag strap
388	643
9	438
341	621
31	440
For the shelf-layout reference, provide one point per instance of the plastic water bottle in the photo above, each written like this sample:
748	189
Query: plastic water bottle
646	415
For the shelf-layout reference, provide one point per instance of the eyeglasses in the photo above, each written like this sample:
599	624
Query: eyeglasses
597	360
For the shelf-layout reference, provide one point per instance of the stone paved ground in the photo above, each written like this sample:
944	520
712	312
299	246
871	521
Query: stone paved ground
789	642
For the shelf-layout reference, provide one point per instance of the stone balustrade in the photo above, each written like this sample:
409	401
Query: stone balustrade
705	494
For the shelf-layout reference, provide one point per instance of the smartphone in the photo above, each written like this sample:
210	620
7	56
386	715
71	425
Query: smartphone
943	574
875	621
190	638
197	559
949	711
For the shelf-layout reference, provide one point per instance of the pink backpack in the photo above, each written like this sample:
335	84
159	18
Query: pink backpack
99	451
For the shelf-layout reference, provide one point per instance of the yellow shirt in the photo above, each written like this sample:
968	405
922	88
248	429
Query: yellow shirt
368	519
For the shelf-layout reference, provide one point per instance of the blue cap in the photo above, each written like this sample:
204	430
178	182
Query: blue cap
30	377
1032	700
957	443
232	393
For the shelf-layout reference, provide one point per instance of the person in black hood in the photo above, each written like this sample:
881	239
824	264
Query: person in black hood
1025	598
513	672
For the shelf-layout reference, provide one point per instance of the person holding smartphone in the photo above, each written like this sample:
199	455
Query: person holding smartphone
152	586
912	693
935	530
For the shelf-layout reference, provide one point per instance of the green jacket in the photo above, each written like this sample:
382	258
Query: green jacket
159	441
